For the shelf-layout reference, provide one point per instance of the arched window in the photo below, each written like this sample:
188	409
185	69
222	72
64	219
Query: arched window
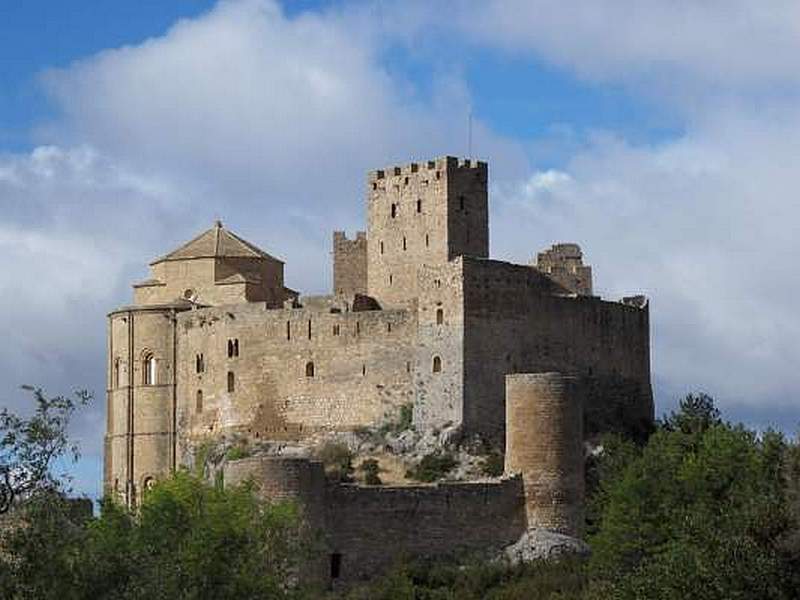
115	374
437	364
148	484
231	382
309	369
439	316
198	403
149	369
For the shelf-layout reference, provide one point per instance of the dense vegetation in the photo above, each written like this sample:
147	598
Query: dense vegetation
702	509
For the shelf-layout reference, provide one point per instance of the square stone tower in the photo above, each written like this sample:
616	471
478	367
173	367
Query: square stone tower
423	214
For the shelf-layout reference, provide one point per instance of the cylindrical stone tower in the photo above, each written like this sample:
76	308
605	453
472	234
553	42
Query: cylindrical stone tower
140	433
544	443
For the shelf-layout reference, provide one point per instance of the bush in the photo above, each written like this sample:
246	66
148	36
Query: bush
370	467
338	461
493	464
432	467
237	452
403	422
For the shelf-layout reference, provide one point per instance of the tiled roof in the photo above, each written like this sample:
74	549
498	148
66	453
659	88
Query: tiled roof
216	242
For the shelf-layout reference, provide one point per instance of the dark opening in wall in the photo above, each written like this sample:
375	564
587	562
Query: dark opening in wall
288	330
309	329
427	240
336	565
391	279
115	376
439	316
437	364
389	328
198	404
309	369
335	330
394	210
363	370
381	247
199	363
405	245
231	382
233	348
419	206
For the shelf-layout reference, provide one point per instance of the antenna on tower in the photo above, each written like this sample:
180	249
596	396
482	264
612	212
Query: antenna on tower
469	134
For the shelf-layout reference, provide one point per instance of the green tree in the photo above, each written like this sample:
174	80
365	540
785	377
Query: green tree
29	447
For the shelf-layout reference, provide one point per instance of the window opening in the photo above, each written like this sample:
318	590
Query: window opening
309	369
437	364
231	382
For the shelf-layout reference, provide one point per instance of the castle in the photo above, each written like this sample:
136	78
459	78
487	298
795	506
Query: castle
215	344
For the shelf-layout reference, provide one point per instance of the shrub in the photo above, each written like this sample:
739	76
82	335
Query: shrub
237	452
338	461
402	422
370	467
493	464
432	467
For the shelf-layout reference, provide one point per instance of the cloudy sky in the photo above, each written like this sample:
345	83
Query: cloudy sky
664	137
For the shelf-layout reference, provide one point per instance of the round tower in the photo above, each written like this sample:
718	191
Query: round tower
140	438
544	443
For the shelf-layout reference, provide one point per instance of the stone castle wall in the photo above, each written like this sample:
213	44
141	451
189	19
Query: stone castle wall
297	371
513	323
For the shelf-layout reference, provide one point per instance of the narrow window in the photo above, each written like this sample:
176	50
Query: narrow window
288	330
438	174
419	206
405	246
389	328
390	279
149	369
358	327
198	401
405	181
309	329
309	369
394	210
336	565
231	382
439	316
381	247
335	330
437	364
374	186
408	367
236	348
230	348
427	240
363	370
115	374
199	363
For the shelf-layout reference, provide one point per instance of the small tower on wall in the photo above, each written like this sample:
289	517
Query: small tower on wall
563	263
423	214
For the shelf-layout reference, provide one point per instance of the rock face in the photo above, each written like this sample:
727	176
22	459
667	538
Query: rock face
543	544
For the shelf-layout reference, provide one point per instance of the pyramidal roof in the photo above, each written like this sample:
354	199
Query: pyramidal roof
216	242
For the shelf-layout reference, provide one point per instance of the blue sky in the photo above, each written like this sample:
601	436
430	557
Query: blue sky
660	136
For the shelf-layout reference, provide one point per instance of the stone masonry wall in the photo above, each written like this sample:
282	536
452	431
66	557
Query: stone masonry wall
513	323
349	264
373	527
363	366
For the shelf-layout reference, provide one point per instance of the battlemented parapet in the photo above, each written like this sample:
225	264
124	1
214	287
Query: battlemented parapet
544	443
563	263
349	264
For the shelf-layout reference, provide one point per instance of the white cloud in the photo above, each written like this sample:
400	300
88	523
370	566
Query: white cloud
704	225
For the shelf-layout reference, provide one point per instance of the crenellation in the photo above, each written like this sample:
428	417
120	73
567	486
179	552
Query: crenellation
215	346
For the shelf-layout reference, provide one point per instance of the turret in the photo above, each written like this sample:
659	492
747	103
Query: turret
544	443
